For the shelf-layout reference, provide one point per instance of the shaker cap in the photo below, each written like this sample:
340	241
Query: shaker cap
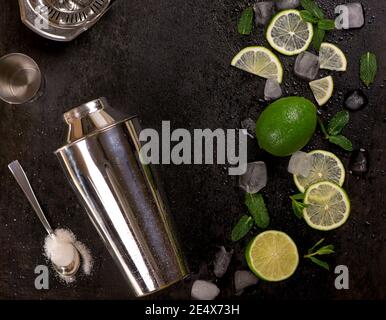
87	118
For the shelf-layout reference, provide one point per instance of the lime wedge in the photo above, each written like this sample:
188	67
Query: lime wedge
288	34
326	166
327	206
259	61
272	256
322	89
332	58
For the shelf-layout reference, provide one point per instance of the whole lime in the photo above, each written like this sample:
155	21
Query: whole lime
286	126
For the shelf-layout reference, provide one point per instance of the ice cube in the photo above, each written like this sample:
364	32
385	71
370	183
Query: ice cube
263	12
351	16
249	125
359	162
300	164
244	279
255	178
287	4
307	66
221	262
355	100
204	290
272	90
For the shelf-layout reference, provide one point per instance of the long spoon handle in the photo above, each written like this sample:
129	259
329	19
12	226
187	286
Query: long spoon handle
22	180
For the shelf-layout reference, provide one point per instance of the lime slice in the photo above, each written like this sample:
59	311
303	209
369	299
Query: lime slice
326	166
288	34
322	89
327	206
332	58
259	61
272	256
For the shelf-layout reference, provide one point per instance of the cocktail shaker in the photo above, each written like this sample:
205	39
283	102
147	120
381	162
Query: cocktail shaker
121	195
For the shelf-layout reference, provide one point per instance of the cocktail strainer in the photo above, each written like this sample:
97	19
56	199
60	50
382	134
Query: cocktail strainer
62	20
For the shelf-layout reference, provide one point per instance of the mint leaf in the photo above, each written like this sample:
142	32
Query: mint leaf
299	196
308	16
243	226
245	22
297	207
368	68
342	142
320	263
257	209
325	250
318	37
313	8
316	245
338	122
326	24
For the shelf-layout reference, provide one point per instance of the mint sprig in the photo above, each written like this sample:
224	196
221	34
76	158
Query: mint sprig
334	129
312	13
325	250
258	216
312	8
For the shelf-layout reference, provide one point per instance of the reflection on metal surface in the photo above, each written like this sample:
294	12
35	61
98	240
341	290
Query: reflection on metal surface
121	196
87	118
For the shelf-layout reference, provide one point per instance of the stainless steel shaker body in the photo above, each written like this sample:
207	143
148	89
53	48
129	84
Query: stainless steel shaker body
122	196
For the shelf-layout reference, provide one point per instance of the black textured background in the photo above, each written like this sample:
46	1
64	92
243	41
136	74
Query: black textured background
169	60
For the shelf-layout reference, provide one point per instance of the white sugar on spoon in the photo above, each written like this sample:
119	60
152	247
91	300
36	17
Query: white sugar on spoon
63	250
60	249
66	263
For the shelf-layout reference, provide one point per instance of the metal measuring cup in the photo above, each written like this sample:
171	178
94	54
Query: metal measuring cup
20	79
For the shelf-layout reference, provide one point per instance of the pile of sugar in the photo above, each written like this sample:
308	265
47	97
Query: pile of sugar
60	250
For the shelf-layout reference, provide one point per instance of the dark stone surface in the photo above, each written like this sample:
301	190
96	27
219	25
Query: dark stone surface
169	60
